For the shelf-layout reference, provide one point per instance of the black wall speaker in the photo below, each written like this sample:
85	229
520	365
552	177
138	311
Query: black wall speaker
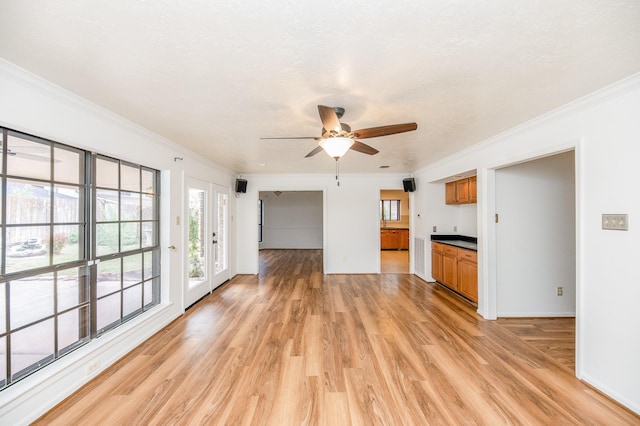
241	185
409	184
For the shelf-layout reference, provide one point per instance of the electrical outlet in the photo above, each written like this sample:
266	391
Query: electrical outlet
559	291
617	222
435	229
93	366
455	229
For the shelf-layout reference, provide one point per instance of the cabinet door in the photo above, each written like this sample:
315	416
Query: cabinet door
450	271
384	240
394	239
450	189
389	240
436	265
468	279
403	235
462	191
473	191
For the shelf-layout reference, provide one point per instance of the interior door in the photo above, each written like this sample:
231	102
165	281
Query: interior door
220	235
197	281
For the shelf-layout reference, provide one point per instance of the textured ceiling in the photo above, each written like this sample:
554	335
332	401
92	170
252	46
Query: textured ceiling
215	76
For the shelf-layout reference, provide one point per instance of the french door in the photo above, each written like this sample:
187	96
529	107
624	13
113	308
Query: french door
220	234
206	239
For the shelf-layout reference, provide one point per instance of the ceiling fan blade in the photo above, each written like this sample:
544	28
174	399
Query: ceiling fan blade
296	137
364	148
316	150
374	132
329	119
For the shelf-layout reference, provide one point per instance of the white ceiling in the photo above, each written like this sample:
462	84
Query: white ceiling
215	76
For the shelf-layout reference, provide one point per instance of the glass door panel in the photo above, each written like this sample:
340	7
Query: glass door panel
220	235
197	238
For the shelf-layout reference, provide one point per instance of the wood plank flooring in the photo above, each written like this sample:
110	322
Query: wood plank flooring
554	336
292	346
394	261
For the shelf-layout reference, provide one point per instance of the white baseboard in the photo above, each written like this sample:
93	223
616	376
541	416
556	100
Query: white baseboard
631	405
536	314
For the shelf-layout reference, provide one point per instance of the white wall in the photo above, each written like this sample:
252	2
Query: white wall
292	220
351	226
536	238
604	131
467	220
34	106
458	219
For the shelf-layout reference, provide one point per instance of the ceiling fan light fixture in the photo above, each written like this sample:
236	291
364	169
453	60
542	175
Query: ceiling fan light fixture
336	147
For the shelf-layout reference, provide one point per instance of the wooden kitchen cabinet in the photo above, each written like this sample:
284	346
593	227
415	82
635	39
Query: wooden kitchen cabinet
394	239
388	239
403	235
468	274
462	191
456	268
450	193
473	189
436	261
450	267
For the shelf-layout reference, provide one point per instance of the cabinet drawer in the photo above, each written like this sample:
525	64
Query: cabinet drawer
468	255
450	250
437	247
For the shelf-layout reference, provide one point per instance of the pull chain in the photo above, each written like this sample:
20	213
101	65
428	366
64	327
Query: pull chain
337	171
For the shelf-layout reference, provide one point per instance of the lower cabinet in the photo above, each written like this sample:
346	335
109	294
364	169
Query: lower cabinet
468	275
404	239
389	239
456	268
436	261
450	267
394	239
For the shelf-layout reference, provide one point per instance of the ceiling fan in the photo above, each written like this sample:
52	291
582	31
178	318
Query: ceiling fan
337	138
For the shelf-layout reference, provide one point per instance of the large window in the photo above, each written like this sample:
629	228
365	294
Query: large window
78	248
126	240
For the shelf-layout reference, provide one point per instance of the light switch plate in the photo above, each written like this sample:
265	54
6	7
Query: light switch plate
617	222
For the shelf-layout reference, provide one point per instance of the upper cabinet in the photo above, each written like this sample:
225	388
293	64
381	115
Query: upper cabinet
451	193
472	190
461	191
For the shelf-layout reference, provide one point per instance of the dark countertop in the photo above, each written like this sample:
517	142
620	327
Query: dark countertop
387	228
462	241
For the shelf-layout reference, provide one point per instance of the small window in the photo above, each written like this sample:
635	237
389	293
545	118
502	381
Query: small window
390	210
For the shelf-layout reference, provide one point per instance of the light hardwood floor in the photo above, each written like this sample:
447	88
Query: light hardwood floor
394	261
293	346
554	336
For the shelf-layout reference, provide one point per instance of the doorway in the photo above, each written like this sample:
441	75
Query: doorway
206	239
290	219
536	240
394	231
